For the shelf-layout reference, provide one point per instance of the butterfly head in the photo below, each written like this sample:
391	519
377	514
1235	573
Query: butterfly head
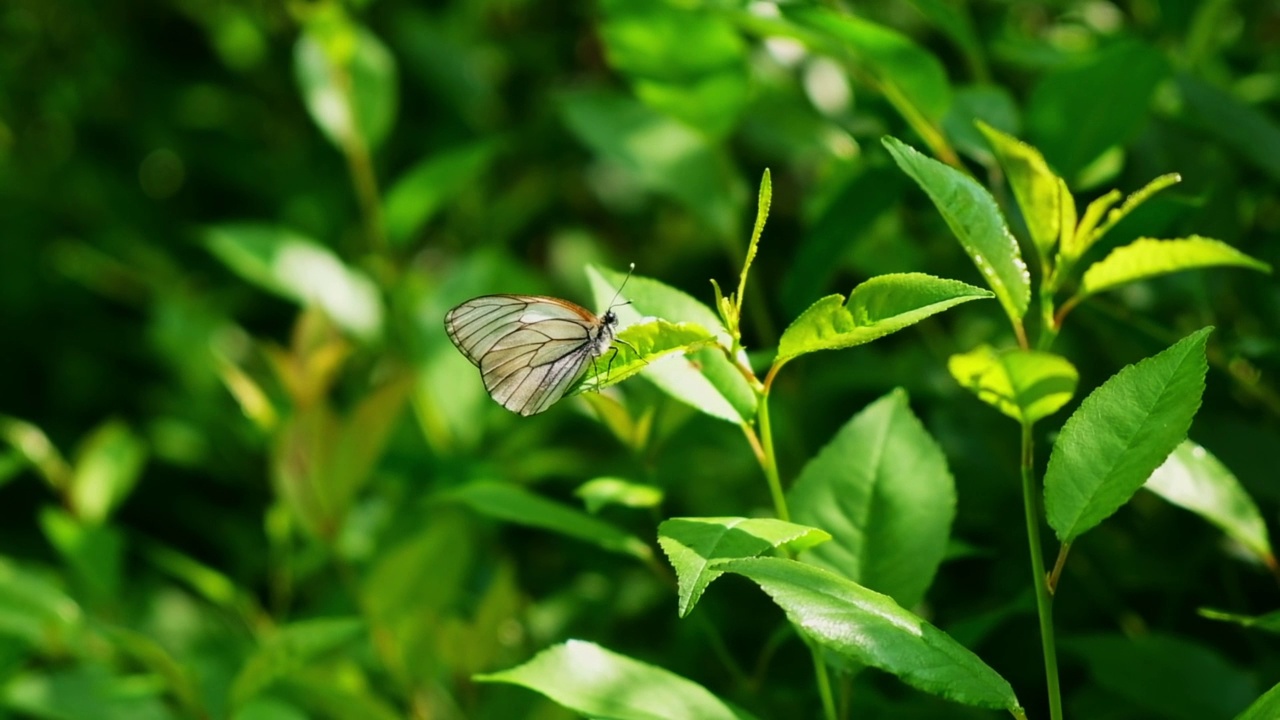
610	318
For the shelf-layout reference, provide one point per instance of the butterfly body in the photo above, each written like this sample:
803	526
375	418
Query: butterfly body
529	348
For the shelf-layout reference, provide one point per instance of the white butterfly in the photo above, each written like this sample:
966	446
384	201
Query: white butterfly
529	348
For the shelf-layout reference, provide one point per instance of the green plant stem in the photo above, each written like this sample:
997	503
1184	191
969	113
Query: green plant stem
1044	601
771	459
824	683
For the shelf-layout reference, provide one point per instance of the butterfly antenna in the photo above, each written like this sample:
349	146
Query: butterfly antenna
624	284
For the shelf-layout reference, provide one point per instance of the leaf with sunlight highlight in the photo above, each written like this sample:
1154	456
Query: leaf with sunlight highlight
1147	258
1026	385
638	348
598	683
694	545
1034	185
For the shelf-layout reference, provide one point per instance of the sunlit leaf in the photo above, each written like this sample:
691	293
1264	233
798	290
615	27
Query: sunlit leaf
604	491
1120	434
424	189
878	307
105	469
704	380
1034	185
1269	622
695	545
881	487
1146	258
296	267
974	218
595	682
514	504
1131	203
1026	385
35	448
1265	707
640	347
870	628
1194	479
348	80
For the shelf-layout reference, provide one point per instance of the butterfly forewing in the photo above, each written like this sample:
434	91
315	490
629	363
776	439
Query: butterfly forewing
529	348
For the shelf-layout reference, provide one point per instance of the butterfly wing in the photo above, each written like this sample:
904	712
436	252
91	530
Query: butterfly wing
529	348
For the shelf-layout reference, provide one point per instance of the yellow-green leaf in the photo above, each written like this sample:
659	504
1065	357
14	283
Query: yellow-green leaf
1026	385
1034	185
1146	257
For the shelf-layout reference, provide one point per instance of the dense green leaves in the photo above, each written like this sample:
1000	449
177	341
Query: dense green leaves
881	487
1026	385
1194	479
977	223
290	649
872	629
517	505
596	682
1121	433
877	307
696	545
1146	257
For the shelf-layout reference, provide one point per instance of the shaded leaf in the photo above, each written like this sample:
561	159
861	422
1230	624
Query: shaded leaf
1249	130
35	610
1034	185
1194	479
1026	385
974	218
870	628
593	681
1269	622
1120	434
878	307
348	80
695	545
423	190
290	649
881	487
1146	258
95	553
513	504
295	267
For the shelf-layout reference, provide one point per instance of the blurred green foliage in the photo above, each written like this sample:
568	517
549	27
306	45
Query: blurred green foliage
245	475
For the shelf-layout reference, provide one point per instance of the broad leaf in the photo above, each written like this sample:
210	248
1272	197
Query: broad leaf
93	552
598	683
348	79
1165	676
604	491
704	380
1146	257
1266	707
517	505
911	78
878	307
694	545
1034	186
870	628
640	347
1120	434
1026	385
1246	128
1194	479
296	267
881	487
973	216
290	649
426	188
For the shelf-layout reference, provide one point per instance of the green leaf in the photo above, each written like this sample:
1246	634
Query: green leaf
639	347
513	504
34	610
1194	479
1269	622
762	214
1130	204
152	655
34	447
604	491
870	628
1166	676
290	649
1247	129
1146	258
685	62
1083	235
1120	434
348	80
423	190
105	469
1026	385
94	552
1265	707
881	487
598	683
82	691
882	305
1034	186
663	154
1078	111
705	380
695	545
910	77
298	268
973	216
361	439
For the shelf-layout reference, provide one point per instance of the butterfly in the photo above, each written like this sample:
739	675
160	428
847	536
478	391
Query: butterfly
530	348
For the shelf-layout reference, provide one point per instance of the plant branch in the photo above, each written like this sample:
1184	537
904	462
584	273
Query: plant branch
1044	600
